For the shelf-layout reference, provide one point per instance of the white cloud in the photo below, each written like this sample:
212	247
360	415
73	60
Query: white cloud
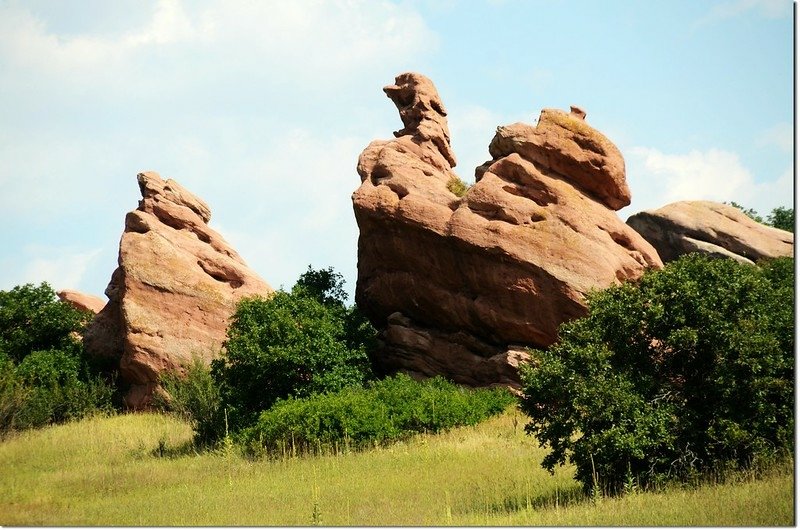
61	270
732	8
290	41
258	107
657	179
292	207
780	136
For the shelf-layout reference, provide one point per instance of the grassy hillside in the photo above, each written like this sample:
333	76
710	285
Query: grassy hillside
110	471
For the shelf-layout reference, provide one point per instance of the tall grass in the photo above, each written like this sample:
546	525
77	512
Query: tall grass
140	470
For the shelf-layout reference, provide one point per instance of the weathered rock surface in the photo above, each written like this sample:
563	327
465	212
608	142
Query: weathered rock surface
174	291
458	285
82	301
711	228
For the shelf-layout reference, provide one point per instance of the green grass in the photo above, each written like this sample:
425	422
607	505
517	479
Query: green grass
107	471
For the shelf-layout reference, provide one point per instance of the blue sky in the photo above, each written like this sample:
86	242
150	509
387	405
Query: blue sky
262	108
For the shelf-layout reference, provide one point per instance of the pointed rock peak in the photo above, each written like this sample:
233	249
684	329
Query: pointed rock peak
154	187
422	111
173	294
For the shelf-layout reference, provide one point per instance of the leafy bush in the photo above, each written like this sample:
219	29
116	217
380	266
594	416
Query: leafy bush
48	387
690	370
292	344
385	410
457	187
45	376
33	319
12	394
195	398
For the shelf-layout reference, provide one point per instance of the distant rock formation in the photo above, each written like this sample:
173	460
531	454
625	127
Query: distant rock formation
82	301
458	285
711	228
174	291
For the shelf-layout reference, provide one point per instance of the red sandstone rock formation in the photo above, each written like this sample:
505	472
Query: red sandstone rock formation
457	285
711	228
174	291
82	301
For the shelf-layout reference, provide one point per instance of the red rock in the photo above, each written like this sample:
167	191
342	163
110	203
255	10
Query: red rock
174	291
82	301
566	145
710	228
456	283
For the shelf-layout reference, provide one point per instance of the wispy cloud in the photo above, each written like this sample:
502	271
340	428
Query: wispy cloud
658	178
780	136
770	9
298	40
61	269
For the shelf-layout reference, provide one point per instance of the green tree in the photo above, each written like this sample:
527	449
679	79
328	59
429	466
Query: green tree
45	375
34	319
291	344
324	285
749	212
688	371
782	218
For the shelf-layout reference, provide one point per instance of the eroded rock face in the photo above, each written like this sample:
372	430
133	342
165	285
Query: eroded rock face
711	228
82	301
458	285
174	291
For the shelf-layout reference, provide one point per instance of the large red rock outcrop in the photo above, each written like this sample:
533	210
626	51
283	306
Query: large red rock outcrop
457	285
710	228
174	291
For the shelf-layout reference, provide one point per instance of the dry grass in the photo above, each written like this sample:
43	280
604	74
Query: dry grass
107	471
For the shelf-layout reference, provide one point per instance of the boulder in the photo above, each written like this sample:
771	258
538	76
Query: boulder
82	301
458	286
174	291
711	228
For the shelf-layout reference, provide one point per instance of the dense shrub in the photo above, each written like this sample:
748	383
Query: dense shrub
58	389
45	376
688	371
195	398
385	410
33	319
297	344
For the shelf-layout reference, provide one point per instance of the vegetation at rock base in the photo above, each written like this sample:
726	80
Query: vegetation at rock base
687	372
296	343
709	402
45	375
296	374
194	397
141	470
387	410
